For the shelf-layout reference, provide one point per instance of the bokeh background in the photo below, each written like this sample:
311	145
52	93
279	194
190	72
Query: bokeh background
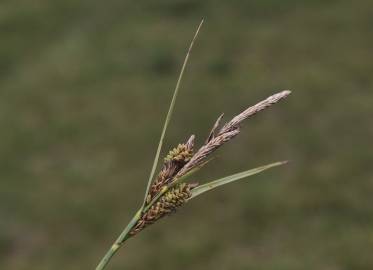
84	89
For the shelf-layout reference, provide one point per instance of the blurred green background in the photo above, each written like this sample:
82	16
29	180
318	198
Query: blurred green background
84	89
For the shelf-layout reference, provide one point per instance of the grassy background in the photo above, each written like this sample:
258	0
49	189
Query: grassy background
84	88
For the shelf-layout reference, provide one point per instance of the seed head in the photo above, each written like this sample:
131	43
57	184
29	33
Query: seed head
175	160
182	153
167	204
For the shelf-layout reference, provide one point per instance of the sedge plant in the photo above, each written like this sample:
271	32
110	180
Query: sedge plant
169	190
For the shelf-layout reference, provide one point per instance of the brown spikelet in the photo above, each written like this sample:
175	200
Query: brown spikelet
167	204
175	160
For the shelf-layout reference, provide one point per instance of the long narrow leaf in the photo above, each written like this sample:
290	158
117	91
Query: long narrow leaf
169	114
229	179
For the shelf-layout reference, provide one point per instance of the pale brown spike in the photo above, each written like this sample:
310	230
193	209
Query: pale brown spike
228	131
253	110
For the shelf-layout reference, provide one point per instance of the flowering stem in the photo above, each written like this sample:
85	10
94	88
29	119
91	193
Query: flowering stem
118	243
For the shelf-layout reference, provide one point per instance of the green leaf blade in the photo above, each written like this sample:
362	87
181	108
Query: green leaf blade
232	178
169	114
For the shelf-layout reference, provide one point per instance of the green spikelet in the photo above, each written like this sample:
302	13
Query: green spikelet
167	204
173	162
180	153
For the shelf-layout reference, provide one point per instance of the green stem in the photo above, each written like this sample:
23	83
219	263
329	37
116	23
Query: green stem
124	235
118	243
